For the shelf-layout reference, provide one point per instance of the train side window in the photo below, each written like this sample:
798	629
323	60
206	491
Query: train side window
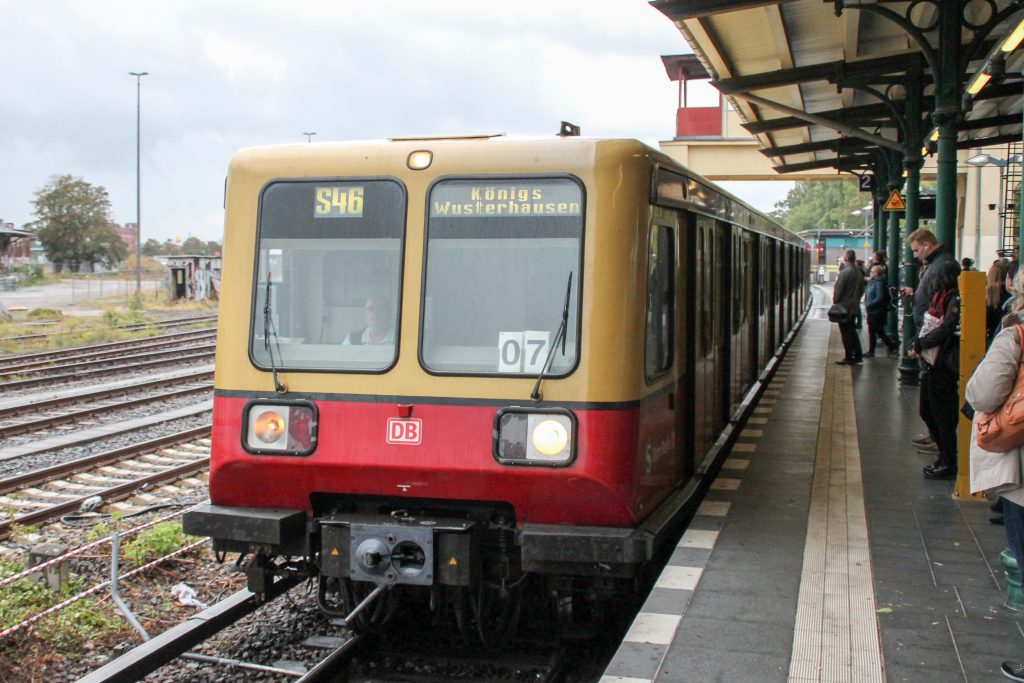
659	343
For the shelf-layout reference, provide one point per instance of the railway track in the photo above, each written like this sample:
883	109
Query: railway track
34	405
161	324
45	495
27	362
50	421
93	369
176	642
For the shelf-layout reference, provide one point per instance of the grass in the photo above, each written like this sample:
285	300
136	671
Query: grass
79	331
66	630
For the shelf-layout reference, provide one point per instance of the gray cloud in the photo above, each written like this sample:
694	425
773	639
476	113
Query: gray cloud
230	74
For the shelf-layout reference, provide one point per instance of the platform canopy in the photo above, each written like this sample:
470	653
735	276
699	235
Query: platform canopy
828	83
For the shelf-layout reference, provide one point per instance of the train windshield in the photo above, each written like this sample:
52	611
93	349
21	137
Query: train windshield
500	253
329	265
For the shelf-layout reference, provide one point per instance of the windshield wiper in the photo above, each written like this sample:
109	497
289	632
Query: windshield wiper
560	335
268	330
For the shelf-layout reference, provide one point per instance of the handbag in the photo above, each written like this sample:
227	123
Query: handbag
992	472
838	314
1003	430
931	354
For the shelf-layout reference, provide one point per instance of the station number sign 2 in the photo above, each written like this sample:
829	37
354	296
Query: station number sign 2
868	182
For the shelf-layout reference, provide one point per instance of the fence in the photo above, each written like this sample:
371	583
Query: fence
88	288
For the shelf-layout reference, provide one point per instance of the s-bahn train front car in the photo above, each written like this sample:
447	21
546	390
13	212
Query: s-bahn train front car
475	369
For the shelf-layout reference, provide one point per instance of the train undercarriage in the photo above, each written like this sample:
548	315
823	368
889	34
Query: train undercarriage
467	564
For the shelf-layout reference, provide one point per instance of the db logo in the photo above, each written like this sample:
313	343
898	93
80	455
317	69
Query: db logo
406	431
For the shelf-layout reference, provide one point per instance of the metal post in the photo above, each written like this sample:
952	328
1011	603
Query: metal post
909	367
115	594
138	185
947	111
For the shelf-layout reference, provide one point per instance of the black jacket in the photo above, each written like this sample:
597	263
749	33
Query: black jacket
927	288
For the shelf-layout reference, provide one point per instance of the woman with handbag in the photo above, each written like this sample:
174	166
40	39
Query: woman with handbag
938	347
992	392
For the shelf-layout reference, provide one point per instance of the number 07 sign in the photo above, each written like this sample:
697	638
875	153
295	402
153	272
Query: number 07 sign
522	352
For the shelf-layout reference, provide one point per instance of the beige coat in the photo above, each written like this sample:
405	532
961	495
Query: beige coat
987	390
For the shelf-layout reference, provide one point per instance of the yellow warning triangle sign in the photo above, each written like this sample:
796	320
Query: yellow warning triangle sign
895	202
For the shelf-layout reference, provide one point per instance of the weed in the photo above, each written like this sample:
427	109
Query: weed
162	539
99	531
22	530
67	630
44	314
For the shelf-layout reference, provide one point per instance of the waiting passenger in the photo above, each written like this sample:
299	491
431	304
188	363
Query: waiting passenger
1011	277
986	391
877	302
880	259
848	291
379	328
996	295
938	347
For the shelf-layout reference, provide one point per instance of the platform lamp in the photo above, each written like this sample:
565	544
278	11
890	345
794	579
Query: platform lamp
138	185
309	136
984	159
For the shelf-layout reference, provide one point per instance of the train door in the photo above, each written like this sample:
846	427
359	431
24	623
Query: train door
735	316
745	314
684	367
777	294
787	264
770	293
710	384
662	433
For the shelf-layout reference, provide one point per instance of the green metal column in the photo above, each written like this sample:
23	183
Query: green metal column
909	367
946	116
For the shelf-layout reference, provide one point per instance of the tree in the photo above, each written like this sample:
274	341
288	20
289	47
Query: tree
193	246
151	247
74	225
820	205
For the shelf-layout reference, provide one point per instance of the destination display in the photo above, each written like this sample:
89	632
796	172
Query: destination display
338	201
493	200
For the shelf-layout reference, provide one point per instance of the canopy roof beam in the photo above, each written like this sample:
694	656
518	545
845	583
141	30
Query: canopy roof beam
850	131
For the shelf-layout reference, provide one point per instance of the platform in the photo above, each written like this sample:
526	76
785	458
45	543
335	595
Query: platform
822	554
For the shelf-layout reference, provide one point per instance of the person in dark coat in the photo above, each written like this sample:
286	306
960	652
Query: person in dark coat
931	254
926	247
877	302
938	347
848	292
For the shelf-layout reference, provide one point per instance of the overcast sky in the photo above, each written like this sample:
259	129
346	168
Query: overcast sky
228	74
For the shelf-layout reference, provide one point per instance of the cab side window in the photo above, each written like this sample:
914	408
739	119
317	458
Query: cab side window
660	340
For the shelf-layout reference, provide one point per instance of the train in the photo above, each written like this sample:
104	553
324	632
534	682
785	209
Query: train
469	372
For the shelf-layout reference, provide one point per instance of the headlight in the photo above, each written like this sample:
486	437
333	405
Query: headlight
549	437
545	437
280	428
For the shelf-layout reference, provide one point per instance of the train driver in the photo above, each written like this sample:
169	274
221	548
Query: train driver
379	328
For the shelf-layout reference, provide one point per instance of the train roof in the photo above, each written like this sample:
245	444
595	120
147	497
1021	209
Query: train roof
572	154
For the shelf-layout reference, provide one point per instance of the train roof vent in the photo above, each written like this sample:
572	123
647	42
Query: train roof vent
568	130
